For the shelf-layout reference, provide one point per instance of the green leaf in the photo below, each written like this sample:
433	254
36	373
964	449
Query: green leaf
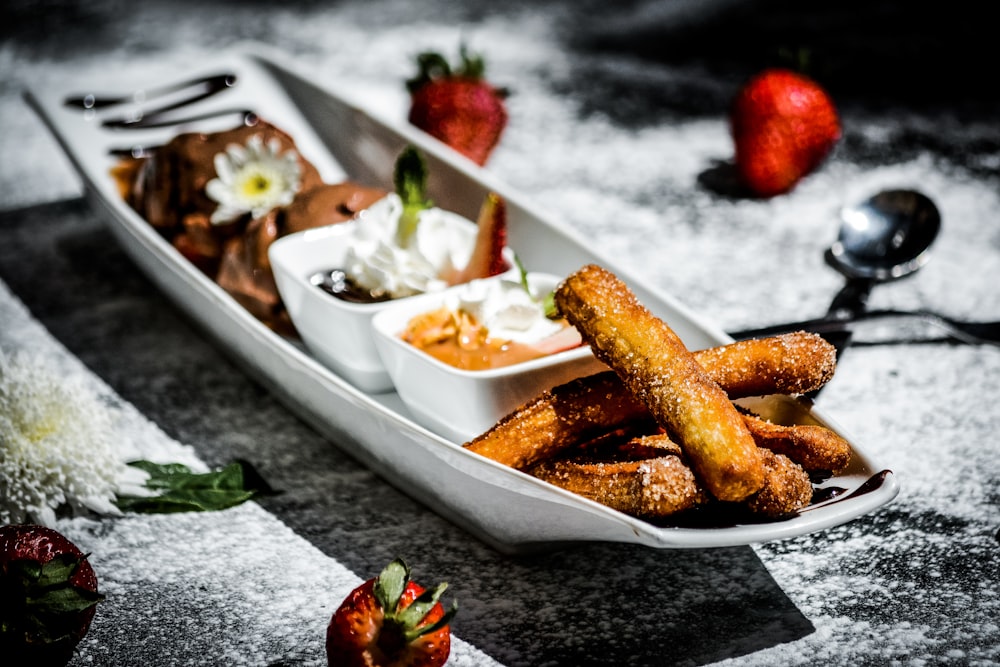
523	273
549	305
430	66
421	606
548	301
186	491
58	570
473	66
64	599
391	584
410	182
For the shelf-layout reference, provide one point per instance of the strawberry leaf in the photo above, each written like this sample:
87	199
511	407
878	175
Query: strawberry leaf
473	66
391	584
40	599
430	66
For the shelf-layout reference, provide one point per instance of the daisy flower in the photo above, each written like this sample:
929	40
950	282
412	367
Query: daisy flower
253	179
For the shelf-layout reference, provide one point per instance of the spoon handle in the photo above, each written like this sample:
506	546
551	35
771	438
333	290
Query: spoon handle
852	299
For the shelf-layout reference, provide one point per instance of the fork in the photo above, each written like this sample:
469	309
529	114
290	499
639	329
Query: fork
971	333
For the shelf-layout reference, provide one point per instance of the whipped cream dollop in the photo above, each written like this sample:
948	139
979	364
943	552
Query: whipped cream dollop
375	260
505	309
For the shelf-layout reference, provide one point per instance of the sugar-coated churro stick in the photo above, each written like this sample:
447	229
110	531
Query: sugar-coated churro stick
658	483
559	418
786	487
659	370
562	416
813	447
591	406
648	487
793	363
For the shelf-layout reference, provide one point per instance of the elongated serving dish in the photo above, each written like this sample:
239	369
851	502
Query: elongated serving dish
508	509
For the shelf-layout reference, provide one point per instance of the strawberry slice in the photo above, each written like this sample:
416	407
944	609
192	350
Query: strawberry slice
487	255
390	621
48	593
567	338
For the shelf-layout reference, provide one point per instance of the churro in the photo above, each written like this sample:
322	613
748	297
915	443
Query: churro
786	487
648	487
815	448
660	371
794	363
653	480
590	407
563	416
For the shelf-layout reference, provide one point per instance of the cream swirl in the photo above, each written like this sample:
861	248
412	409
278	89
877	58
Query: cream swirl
376	260
506	310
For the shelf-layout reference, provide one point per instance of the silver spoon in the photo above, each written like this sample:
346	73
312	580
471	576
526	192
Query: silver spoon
884	238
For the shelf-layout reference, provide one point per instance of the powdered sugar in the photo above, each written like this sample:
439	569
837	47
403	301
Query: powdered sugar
914	583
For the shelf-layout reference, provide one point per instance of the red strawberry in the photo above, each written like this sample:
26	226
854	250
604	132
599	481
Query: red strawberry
783	125
390	621
458	106
487	255
48	593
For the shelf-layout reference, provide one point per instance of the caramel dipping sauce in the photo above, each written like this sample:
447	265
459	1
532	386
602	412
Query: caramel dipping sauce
457	339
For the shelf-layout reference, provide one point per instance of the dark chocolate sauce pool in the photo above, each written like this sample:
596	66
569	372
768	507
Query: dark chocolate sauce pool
336	282
720	515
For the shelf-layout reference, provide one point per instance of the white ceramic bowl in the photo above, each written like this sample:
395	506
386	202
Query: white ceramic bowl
460	404
337	332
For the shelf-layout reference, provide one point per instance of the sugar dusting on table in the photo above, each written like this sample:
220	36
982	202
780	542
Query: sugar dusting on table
264	594
633	193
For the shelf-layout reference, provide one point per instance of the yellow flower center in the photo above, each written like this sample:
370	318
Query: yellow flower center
257	184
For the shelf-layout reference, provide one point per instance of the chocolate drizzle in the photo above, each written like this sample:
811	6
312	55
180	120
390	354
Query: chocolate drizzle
873	483
210	84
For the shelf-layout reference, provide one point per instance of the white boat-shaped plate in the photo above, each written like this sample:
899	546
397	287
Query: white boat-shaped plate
508	509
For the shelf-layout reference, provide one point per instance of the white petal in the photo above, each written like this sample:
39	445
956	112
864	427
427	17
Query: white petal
223	167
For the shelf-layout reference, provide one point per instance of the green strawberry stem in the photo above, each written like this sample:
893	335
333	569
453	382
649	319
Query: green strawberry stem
432	66
388	591
42	598
410	181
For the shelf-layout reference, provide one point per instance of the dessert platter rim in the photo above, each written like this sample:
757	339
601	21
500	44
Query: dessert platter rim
509	510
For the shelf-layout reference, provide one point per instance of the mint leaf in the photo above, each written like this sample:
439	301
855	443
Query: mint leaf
186	491
410	180
548	301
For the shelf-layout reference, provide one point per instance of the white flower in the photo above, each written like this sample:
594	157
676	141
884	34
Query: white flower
253	179
57	445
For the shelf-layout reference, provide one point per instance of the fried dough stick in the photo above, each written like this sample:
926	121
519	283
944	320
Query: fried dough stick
786	487
589	407
649	487
561	417
813	447
578	410
659	370
793	363
659	483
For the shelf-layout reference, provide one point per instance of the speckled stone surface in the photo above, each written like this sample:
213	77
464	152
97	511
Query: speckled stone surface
617	127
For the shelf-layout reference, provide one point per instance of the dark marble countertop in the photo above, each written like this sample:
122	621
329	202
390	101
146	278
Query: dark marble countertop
617	127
